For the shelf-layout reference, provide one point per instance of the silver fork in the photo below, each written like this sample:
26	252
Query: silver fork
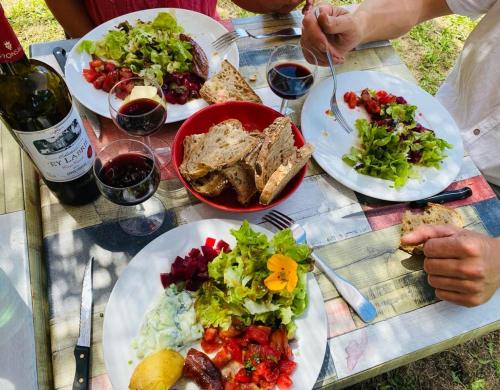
351	294
333	100
228	38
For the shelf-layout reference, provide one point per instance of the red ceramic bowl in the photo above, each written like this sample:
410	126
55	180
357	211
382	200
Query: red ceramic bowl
253	116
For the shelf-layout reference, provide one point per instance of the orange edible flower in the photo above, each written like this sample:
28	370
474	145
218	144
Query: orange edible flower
284	273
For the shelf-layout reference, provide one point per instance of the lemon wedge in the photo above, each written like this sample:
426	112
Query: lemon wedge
159	371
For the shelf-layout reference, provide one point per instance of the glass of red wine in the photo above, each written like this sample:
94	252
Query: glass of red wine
127	174
289	75
138	107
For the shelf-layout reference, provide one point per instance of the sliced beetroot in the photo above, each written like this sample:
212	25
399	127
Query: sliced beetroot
209	253
195	252
209	241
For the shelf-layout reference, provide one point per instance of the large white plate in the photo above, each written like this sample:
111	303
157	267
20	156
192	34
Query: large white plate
332	142
139	285
203	29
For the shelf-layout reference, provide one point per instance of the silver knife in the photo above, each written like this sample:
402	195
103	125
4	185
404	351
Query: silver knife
82	348
442	197
60	55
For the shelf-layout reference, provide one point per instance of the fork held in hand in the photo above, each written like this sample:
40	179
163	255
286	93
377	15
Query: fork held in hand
351	294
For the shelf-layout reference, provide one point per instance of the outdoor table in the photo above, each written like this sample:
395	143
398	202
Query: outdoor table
45	246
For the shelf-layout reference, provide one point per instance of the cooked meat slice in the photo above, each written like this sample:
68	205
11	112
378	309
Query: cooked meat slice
199	367
200	61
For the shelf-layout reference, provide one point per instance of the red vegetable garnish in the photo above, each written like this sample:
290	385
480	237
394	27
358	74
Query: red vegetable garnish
284	382
209	241
351	99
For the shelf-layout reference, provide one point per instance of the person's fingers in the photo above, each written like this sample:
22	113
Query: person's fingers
454	268
454	284
313	39
336	24
468	300
425	232
455	246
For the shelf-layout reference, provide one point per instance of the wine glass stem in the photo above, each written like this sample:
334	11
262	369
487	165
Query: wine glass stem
284	105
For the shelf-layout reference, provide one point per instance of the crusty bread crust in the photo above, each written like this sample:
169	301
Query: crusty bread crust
278	146
228	85
434	214
211	185
285	172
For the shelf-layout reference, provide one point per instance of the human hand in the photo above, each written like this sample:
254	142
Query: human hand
335	29
463	266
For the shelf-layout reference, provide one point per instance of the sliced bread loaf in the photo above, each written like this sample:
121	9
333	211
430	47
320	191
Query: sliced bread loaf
193	152
277	147
434	214
224	144
242	180
285	172
211	185
227	85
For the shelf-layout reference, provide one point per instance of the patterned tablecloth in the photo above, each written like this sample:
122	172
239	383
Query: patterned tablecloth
411	323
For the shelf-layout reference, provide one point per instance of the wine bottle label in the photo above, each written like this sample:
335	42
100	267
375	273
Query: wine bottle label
62	152
10	48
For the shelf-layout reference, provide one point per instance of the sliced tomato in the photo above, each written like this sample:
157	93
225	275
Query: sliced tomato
242	376
222	358
284	382
269	353
234	349
231	332
98	82
209	346
210	334
279	341
351	99
259	334
90	75
111	79
385	97
287	367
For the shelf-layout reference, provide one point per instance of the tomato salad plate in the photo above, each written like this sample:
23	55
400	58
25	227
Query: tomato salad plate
404	145
170	45
217	304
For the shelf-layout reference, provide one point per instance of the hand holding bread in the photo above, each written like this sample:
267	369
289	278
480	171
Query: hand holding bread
463	266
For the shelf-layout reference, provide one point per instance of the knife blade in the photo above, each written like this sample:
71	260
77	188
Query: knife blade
61	57
442	197
82	348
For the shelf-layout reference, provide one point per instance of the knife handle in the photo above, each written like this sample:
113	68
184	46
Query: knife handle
82	357
443	197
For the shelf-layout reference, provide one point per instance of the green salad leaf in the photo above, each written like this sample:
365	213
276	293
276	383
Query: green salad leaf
392	151
236	287
150	49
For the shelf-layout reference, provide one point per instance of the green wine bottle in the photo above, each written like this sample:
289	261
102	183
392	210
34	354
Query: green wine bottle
36	107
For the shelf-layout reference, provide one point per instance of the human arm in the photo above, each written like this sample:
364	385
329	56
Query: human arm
72	16
268	6
463	266
372	20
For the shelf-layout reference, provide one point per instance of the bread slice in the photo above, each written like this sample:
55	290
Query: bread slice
242	180
193	152
434	214
211	185
228	85
278	146
223	145
285	172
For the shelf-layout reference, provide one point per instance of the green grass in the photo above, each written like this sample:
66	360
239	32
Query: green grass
429	50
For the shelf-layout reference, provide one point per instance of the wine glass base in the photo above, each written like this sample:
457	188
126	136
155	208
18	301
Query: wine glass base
142	219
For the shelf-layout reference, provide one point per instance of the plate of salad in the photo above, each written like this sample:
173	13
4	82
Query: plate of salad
405	145
170	45
216	304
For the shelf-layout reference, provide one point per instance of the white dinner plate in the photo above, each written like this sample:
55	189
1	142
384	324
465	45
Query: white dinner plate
139	285
203	29
332	141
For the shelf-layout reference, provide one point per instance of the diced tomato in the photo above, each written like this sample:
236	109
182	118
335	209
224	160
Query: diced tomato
284	382
271	354
231	332
90	75
351	99
385	97
109	67
222	358
125	73
279	341
372	107
263	385
287	367
242	376
234	349
209	346
210	334
98	82
96	65
267	371
210	242
111	79
259	334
